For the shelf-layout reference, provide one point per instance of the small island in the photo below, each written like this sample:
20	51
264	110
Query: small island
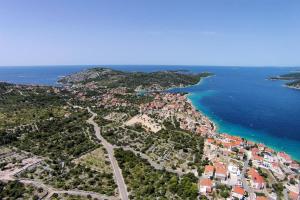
293	78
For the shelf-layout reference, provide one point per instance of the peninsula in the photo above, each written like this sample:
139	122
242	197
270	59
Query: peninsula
293	78
107	134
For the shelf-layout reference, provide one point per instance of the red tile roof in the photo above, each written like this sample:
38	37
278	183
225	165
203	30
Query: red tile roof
284	155
238	190
255	176
259	158
208	169
221	170
210	140
293	196
206	182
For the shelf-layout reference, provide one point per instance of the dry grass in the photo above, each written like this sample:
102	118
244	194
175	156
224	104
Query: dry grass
96	160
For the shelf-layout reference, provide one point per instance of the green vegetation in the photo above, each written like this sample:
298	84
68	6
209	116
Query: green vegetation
263	173
59	138
171	148
96	160
144	182
293	77
39	120
16	190
278	188
24	105
295	84
290	76
223	190
68	175
113	78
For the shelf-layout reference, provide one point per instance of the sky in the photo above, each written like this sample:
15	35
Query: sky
165	32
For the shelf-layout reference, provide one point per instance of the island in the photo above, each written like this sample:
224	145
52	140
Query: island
109	134
293	78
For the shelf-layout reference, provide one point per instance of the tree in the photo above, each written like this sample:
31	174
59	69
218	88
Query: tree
278	188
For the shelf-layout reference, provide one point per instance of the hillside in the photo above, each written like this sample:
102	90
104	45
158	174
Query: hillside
135	80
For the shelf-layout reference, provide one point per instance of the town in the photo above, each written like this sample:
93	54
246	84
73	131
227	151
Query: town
123	137
236	168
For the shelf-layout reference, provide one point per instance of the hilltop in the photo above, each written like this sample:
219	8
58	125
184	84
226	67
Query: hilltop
110	78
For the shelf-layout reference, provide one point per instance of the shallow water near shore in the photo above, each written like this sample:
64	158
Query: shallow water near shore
240	100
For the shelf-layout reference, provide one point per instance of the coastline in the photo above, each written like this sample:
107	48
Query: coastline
291	87
216	128
186	86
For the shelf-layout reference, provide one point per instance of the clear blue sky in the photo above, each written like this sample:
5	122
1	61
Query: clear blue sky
192	32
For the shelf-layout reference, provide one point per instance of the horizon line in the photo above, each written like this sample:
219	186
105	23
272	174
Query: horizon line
147	65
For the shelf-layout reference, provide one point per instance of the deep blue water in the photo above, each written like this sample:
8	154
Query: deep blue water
44	75
238	99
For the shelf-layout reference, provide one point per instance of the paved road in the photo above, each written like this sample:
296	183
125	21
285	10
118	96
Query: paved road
110	150
285	194
244	181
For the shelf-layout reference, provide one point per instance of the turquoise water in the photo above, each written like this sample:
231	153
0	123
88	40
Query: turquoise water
238	99
277	143
242	102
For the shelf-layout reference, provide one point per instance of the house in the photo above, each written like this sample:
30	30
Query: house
205	186
221	171
210	140
238	192
276	168
256	180
294	196
284	158
208	171
269	158
254	151
261	147
257	160
295	167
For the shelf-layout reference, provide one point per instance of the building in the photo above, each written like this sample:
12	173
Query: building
221	171
276	168
294	196
205	186
238	192
233	169
256	180
257	160
208	171
284	158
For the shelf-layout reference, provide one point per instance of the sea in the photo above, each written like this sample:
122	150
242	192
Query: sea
240	100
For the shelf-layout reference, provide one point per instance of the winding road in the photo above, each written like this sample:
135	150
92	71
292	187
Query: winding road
52	190
110	150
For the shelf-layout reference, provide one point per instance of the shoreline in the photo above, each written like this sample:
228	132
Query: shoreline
291	87
216	126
